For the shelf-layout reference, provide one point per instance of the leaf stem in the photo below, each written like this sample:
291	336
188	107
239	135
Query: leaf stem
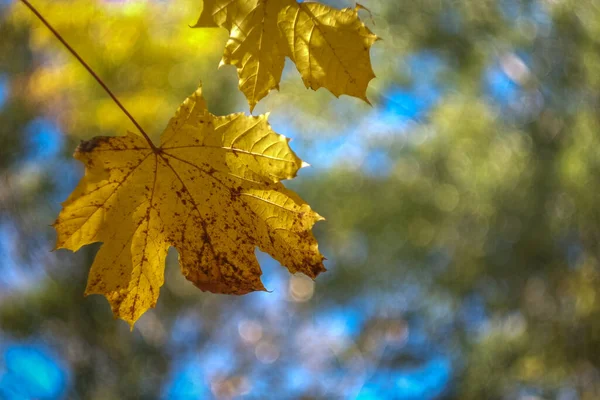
87	67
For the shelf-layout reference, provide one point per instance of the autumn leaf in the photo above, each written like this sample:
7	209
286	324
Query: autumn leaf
212	190
330	47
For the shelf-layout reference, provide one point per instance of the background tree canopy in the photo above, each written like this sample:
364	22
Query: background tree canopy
462	232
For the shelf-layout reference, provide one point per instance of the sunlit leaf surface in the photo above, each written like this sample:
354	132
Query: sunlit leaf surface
330	47
211	190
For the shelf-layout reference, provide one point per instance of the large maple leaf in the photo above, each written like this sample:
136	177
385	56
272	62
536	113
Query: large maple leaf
211	190
330	47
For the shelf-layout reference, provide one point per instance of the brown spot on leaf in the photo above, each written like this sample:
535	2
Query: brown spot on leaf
86	146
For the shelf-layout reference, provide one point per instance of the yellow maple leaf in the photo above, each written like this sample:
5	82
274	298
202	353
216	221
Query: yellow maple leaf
330	47
211	190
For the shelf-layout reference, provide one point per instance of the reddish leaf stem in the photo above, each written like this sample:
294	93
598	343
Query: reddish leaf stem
87	67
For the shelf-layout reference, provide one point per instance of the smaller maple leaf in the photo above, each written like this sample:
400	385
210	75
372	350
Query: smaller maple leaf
211	189
330	47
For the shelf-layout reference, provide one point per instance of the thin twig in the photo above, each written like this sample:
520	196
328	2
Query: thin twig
87	67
